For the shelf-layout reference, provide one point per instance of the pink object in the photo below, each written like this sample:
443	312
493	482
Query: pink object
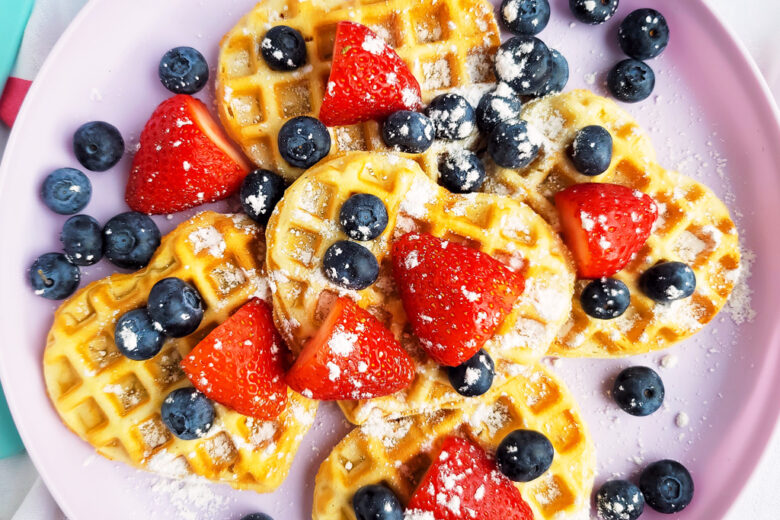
11	100
711	115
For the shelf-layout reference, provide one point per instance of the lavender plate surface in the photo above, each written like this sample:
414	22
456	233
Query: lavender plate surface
710	117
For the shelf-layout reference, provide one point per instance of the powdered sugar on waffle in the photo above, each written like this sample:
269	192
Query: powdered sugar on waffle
208	238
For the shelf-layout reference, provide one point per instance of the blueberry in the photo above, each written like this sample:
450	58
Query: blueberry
593	12
175	306
524	455
376	502
98	145
452	116
631	81
363	216
82	239
66	191
511	145
54	277
619	500
525	17
524	63
667	486
605	298
461	171
130	239
668	281
558	76
638	391
408	132
303	141
283	48
187	413
474	376
591	150
350	265
501	104
136	335
183	70
256	516
643	34
260	192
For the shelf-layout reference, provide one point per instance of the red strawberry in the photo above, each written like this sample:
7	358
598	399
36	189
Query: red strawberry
184	160
604	225
455	296
352	356
240	364
368	80
464	483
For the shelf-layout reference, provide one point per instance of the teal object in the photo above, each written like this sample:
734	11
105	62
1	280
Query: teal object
10	443
13	19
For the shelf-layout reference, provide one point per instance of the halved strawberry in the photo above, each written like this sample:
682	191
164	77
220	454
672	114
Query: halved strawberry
352	356
464	483
368	80
604	225
184	160
240	364
455	296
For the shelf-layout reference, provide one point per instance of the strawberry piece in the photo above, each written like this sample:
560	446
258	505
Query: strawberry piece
455	296
240	364
368	80
464	483
184	160
352	356
604	225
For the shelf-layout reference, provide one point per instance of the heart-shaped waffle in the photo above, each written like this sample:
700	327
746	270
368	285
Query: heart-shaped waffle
114	403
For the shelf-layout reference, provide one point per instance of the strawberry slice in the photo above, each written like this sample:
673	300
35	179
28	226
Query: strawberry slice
455	296
368	80
604	225
464	483
184	160
240	364
352	356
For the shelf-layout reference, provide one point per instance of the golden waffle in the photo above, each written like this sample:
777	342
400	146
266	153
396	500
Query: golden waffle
305	223
114	403
397	452
693	227
447	44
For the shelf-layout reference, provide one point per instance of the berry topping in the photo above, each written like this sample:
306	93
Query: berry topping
54	277
605	298
524	455
377	502
260	192
452	116
363	216
474	376
98	145
559	74
619	500
638	391
256	516
82	240
137	337
350	265
499	105
512	145
525	17
593	12
303	141
668	281
187	413
591	150
643	34
667	486
631	81
283	48
408	132
175	306
183	70
523	62
461	171
66	191
130	239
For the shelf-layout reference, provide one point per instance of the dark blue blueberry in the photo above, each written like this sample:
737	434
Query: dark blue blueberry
283	48
175	306
461	171
183	70
511	146
667	486
559	74
524	63
524	455
98	145
256	516
452	116
187	413
631	81
591	150
474	376
501	104
408	132
130	239
303	141
82	239
260	192
136	335
363	216
605	298
66	191
668	281
638	391
54	277
619	500
377	502
643	34
350	265
593	12
525	17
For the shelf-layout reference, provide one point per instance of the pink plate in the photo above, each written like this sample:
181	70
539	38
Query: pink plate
710	117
